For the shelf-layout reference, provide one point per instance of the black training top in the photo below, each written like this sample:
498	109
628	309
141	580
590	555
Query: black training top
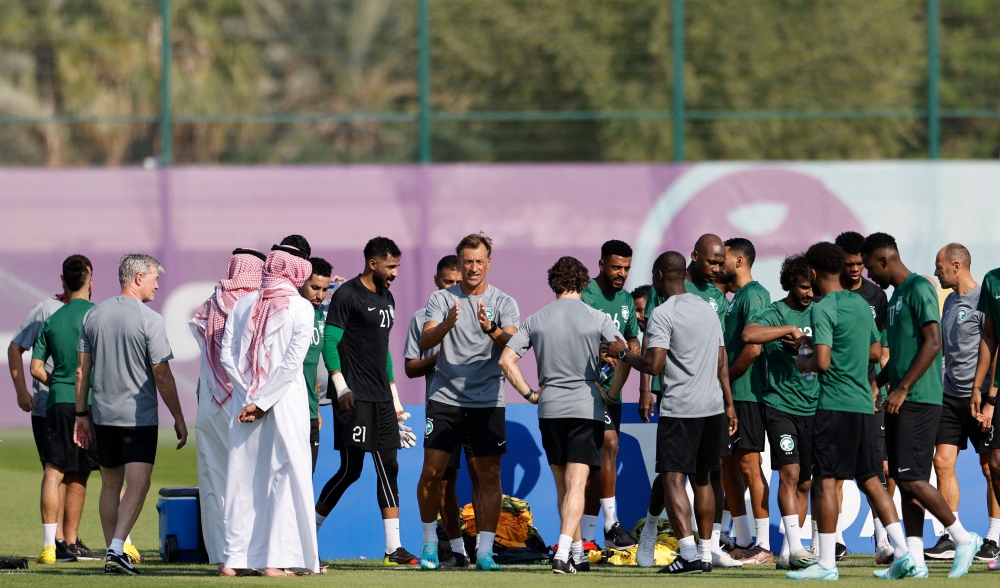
366	318
876	299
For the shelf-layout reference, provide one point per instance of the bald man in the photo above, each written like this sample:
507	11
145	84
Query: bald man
961	329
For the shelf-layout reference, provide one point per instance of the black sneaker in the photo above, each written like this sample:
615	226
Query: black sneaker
455	560
582	566
706	566
683	566
400	557
618	538
842	552
63	553
82	552
943	549
562	567
989	551
119	564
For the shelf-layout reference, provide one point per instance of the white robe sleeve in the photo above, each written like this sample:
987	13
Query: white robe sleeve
289	371
228	360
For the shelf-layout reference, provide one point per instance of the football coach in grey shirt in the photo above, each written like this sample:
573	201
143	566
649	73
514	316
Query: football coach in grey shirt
472	322
566	336
125	344
686	350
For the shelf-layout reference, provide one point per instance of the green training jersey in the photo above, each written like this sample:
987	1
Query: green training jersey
619	306
311	364
787	390
843	322
58	339
989	305
748	301
913	304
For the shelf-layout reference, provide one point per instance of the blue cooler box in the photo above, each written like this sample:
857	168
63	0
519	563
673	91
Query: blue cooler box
180	525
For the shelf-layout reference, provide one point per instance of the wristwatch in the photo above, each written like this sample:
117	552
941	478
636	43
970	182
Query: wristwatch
493	327
991	400
622	353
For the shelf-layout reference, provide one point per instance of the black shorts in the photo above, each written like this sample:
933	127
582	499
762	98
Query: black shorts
843	445
61	451
880	432
117	446
750	432
448	425
958	426
910	438
455	461
690	445
370	427
573	440
613	417
790	436
314	440
38	432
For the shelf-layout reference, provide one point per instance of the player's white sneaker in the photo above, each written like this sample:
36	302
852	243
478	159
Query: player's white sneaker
645	555
721	559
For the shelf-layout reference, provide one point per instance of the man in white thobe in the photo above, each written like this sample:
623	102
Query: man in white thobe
215	394
270	523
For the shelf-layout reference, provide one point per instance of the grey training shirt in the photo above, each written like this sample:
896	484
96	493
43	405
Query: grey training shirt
467	372
26	336
688	328
412	349
961	326
566	336
126	338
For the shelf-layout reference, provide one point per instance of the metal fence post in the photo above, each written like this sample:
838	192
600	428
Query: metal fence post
933	81
678	114
166	117
424	80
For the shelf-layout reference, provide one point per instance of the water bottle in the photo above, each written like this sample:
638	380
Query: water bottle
806	351
605	375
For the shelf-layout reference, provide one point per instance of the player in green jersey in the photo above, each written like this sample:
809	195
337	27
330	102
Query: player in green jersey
913	406
788	402
844	339
639	297
748	379
606	293
983	403
314	290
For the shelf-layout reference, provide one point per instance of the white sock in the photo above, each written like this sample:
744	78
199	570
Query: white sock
705	547
117	546
828	550
588	524
716	534
458	546
562	551
319	521
741	530
689	550
763	532
727	521
840	528
994	532
784	547
486	543
49	534
610	515
958	533
897	538
650	527
430	532
916	547
391	528
880	536
477	542
576	548
793	535
128	538
815	534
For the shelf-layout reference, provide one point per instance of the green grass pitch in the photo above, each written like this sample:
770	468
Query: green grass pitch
20	535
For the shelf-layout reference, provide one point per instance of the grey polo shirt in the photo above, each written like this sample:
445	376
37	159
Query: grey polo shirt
688	328
126	339
412	349
467	372
961	326
566	336
26	336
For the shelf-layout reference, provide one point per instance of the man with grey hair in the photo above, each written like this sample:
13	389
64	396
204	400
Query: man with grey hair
961	329
124	343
